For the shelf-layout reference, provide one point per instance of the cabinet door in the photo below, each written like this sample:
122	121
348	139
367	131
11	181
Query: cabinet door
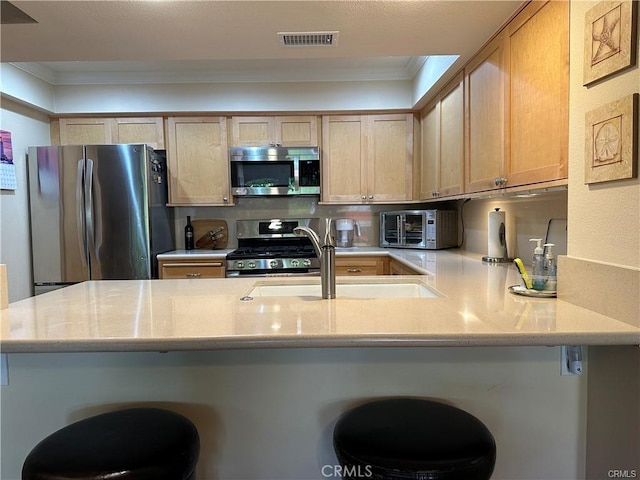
296	131
397	268
81	131
198	162
140	130
172	269
390	158
252	131
451	164
485	117
356	266
538	41
343	150
430	154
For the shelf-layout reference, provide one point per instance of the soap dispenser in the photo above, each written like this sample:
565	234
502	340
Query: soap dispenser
550	268
538	277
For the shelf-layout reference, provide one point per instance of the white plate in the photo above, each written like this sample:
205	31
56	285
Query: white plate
521	290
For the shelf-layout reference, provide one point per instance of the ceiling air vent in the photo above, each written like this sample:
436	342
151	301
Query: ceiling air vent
308	39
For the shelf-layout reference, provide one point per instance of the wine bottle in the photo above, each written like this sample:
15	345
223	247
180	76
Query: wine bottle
188	235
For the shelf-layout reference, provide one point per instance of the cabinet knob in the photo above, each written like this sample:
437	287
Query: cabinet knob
354	270
194	275
364	197
370	197
225	199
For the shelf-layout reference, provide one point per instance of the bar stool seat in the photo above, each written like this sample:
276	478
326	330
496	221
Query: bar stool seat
410	438
131	444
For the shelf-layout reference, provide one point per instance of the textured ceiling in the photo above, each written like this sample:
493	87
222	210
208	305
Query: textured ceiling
200	35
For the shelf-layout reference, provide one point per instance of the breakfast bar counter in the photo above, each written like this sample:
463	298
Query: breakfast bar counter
473	308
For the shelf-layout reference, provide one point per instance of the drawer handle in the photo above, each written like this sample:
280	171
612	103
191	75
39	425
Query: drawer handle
194	275
354	270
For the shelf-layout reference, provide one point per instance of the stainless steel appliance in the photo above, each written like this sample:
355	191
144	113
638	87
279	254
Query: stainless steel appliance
271	248
98	212
259	171
426	229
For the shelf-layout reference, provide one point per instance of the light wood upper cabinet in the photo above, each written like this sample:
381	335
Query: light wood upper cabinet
140	130
538	43
442	126
198	162
89	131
288	131
104	131
343	158
517	100
367	158
485	114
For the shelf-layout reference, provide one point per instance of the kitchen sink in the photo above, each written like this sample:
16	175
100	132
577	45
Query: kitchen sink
373	289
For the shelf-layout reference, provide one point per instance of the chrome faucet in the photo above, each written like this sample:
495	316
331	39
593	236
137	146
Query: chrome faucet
326	254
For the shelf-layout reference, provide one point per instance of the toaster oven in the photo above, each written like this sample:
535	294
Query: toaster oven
426	229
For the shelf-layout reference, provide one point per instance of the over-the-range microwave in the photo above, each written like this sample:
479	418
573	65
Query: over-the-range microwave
257	171
426	229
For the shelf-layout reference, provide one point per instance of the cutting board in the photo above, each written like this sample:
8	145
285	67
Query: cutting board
210	234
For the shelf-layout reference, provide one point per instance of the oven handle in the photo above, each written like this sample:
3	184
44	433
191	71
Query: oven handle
296	174
236	274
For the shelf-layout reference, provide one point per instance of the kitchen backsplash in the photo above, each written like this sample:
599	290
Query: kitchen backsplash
526	217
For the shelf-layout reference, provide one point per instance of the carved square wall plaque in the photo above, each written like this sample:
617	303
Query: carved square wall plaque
611	143
609	39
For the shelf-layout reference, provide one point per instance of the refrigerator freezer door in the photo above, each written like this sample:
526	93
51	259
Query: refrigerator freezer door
117	212
57	215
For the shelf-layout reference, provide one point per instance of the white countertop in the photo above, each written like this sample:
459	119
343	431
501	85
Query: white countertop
199	314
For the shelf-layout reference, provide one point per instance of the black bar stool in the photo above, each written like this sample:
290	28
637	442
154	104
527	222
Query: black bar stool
411	438
131	444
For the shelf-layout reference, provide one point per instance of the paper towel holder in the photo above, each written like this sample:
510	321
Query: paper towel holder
502	236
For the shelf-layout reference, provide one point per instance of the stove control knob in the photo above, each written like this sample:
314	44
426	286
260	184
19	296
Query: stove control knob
239	265
252	264
295	262
273	263
306	262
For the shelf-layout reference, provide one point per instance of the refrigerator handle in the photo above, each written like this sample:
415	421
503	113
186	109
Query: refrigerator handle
88	198
81	216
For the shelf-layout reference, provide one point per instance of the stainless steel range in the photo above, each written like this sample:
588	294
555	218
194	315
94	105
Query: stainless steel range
270	248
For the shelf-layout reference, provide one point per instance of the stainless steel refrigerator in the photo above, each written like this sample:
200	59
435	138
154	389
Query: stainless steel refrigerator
98	212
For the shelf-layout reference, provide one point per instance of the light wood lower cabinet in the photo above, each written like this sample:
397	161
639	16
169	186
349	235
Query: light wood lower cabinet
173	269
398	268
361	265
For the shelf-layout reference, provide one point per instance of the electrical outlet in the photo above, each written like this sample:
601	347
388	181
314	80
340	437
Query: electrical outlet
571	360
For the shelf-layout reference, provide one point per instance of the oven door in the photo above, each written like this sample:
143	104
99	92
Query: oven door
259	177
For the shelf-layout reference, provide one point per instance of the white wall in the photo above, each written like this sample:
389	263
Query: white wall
604	218
27	127
233	97
269	414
